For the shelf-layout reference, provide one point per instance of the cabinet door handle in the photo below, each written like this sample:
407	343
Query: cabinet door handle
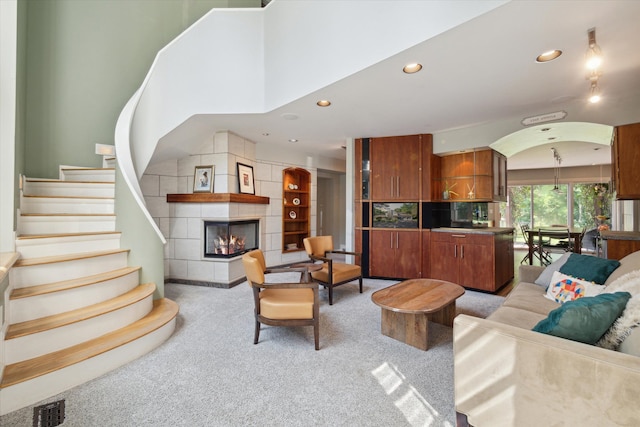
397	238
398	186
461	251
392	192
455	251
391	241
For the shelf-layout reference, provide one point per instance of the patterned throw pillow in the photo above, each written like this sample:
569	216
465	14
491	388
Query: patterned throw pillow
565	288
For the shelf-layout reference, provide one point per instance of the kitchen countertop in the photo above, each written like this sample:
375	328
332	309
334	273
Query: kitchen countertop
480	230
620	235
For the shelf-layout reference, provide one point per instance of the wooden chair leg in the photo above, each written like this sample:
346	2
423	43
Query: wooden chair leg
316	333
257	333
360	281
330	295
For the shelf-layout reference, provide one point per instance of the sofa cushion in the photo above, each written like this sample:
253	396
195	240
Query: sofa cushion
517	317
630	318
545	277
585	319
627	264
530	297
589	268
564	288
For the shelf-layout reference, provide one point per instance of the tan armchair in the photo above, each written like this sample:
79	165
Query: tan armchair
333	273
281	304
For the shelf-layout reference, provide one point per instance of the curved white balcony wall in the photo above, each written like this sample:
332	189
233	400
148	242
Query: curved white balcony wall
255	60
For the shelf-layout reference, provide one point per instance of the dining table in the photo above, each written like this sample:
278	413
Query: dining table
551	232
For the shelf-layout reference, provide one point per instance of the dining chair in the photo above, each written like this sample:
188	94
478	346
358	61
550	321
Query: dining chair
281	304
558	239
333	273
533	246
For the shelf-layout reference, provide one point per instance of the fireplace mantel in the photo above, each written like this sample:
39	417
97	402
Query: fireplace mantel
217	198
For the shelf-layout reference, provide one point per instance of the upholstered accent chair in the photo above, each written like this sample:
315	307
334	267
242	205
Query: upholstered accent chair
281	304
333	273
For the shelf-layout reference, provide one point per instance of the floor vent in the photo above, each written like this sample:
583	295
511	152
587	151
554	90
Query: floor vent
49	415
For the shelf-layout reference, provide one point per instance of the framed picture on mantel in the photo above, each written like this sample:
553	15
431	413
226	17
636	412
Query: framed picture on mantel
245	179
203	179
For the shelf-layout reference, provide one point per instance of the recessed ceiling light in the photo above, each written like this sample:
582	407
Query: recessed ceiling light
412	68
548	56
323	103
293	140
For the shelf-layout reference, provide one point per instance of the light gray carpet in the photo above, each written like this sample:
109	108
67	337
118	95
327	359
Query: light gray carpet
209	372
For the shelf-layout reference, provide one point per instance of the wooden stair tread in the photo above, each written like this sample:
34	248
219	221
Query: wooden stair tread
164	310
62	285
39	196
67	257
60	181
88	169
68	214
58	320
48	236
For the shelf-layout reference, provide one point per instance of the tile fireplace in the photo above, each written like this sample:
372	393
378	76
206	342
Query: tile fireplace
228	239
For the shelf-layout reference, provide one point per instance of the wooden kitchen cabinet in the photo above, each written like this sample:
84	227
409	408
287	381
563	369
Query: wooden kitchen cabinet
395	254
499	177
625	159
395	167
473	260
478	175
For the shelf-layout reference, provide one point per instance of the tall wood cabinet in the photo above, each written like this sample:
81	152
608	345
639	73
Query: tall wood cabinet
390	175
625	161
296	195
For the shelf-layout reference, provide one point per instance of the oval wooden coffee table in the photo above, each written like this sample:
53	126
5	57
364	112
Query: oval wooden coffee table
408	306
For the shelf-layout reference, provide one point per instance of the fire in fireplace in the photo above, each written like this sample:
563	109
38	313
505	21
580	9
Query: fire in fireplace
230	239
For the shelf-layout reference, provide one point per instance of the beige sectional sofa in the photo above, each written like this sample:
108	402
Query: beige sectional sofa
508	375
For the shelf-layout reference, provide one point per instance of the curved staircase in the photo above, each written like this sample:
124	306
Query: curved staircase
76	309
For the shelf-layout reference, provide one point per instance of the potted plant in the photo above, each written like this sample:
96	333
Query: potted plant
448	190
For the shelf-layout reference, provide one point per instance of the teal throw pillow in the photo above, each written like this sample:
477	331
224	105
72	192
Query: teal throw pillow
585	319
589	268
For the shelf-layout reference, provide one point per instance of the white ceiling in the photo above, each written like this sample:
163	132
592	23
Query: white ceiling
479	81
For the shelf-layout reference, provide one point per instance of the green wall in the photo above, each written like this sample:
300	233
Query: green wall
84	60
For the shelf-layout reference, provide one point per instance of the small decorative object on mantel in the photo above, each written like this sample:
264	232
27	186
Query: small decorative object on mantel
293	215
296	201
203	179
245	179
448	190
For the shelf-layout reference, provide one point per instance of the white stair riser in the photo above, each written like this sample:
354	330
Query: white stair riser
90	175
28	347
54	272
47	205
24	309
65	224
30	392
72	189
61	245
